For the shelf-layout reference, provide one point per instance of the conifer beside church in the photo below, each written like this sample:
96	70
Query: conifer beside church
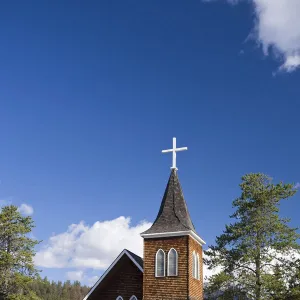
16	255
258	253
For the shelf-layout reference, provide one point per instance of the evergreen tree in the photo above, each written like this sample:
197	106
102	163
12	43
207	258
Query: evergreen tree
258	251
16	254
58	291
19	280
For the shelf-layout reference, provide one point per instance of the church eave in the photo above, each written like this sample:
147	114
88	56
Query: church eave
191	233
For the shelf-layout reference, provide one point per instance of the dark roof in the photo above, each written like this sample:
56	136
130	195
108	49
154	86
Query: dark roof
137	258
173	215
138	261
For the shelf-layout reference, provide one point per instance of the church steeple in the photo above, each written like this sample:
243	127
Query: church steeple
172	248
173	218
173	215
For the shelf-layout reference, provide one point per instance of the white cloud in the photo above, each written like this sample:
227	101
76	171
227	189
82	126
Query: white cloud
297	185
75	275
277	30
84	247
26	209
80	275
96	246
208	273
92	280
272	255
291	63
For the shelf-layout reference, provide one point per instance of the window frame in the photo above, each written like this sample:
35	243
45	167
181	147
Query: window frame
176	262
198	267
133	297
156	265
119	298
194	264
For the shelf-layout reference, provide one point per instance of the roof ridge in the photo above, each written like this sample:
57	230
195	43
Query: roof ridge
174	205
132	256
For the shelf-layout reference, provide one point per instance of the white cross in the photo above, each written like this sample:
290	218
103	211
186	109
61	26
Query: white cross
174	150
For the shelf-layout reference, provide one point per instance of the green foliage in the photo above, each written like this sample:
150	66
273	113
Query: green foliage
222	287
258	252
16	254
19	280
29	296
47	290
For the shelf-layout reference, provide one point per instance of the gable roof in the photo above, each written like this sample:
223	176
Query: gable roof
173	215
137	260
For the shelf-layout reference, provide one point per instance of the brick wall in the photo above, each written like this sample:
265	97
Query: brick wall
125	280
195	285
181	287
165	288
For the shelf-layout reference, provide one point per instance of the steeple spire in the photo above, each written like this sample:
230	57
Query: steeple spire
173	215
173	218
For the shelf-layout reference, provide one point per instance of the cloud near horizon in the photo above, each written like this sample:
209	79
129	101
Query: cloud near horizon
85	248
297	185
26	209
277	30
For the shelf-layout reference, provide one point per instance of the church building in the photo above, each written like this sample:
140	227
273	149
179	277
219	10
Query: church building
171	267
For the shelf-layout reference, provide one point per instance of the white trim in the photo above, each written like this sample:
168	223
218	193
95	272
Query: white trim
119	298
134	261
198	267
110	267
194	268
191	233
176	263
159	250
133	298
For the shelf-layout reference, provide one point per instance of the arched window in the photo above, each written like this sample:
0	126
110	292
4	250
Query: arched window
119	298
160	263
133	298
194	265
172	263
198	267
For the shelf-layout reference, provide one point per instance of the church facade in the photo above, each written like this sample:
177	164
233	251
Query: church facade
171	268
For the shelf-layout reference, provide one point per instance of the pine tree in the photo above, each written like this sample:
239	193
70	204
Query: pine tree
58	291
16	254
258	251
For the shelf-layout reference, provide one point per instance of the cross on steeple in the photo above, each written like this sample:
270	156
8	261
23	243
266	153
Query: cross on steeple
174	150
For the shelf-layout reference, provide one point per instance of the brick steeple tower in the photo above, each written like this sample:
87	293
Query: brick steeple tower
172	250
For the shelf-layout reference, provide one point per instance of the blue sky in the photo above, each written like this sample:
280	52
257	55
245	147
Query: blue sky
91	92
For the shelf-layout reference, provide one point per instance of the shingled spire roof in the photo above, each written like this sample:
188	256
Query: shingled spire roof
173	215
